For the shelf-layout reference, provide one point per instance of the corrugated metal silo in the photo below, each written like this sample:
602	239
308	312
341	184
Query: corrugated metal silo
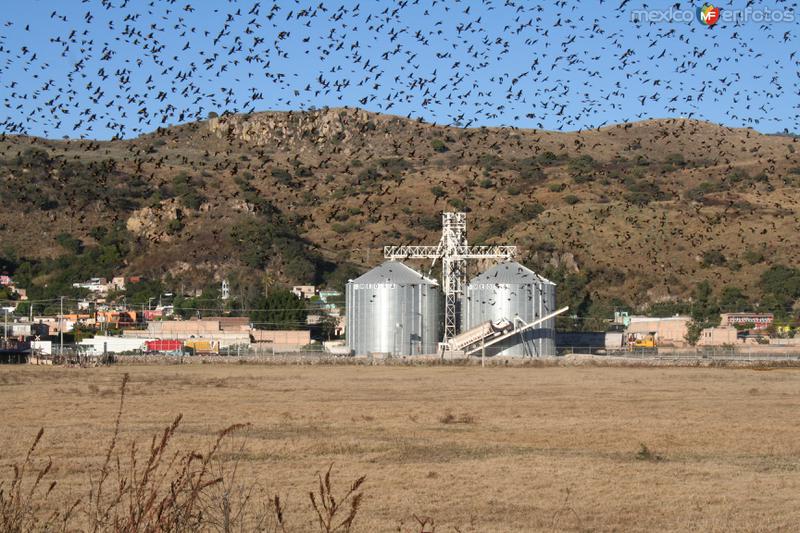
392	309
508	290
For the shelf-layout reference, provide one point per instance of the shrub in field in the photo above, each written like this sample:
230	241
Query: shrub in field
336	514
449	418
646	454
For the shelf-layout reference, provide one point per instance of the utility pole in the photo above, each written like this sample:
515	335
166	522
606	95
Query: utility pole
61	329
5	326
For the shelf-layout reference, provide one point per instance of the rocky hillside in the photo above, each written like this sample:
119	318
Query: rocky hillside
635	213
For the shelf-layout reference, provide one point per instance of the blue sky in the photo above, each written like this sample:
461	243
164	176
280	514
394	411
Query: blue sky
99	68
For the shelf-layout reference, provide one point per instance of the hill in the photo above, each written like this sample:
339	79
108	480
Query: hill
633	214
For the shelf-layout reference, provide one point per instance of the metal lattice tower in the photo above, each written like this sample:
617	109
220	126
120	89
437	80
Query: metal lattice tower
454	252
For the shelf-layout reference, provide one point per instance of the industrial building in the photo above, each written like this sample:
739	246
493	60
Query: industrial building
394	310
509	310
664	331
511	291
745	320
226	331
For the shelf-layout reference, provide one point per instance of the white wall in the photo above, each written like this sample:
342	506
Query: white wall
113	344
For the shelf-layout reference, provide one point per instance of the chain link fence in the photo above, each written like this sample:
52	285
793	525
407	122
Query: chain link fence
731	353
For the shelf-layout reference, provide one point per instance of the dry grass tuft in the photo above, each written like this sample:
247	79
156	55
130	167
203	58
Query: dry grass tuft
646	454
22	502
336	514
426	524
161	491
449	418
566	511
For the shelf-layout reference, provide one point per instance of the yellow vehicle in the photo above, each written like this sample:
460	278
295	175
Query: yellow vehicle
649	341
202	346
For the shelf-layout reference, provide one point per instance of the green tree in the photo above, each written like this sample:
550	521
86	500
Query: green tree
23	309
280	309
337	279
705	312
143	293
780	279
529	170
547	158
439	146
572	291
713	258
781	287
753	257
186	188
185	307
675	159
70	244
598	314
581	168
328	325
5	294
529	211
705	308
733	300
252	241
778	304
693	331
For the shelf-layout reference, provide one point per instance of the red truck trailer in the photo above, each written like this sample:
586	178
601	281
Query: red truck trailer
164	346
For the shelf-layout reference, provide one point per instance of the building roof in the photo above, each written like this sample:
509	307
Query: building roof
745	314
510	273
394	272
232	323
677	318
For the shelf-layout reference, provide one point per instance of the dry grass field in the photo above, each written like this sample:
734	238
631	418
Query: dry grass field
480	450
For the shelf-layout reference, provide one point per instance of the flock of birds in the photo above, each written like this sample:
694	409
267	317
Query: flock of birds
121	69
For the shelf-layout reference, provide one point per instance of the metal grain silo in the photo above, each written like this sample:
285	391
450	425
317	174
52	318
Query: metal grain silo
392	309
510	290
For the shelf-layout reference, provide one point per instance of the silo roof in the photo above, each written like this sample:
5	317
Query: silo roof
509	273
394	272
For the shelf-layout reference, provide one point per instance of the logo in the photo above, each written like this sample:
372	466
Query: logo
708	14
